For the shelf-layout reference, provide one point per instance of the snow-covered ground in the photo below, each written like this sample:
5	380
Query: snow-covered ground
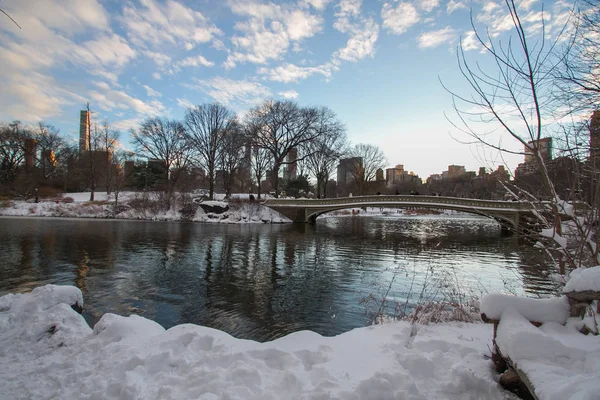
47	351
102	207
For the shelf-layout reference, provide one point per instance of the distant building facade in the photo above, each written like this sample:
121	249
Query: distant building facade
290	171
398	176
347	170
530	165
84	130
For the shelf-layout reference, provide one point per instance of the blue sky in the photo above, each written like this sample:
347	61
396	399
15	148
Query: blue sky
377	64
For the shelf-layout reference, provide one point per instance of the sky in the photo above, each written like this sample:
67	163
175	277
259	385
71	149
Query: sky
379	65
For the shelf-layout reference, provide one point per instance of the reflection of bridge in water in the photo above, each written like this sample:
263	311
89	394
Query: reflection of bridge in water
513	216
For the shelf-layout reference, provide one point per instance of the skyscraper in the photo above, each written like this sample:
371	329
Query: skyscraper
84	131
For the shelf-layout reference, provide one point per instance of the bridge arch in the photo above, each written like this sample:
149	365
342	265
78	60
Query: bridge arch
507	213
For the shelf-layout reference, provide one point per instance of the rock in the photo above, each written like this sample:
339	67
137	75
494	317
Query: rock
510	381
214	208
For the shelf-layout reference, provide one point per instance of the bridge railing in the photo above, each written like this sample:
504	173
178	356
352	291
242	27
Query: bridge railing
404	199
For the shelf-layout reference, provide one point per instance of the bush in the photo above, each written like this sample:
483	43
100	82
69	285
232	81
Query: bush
96	203
67	200
143	203
188	211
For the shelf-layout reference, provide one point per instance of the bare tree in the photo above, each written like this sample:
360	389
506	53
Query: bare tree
578	76
234	143
206	126
260	158
165	141
279	126
371	159
513	96
109	141
51	146
325	150
12	150
119	158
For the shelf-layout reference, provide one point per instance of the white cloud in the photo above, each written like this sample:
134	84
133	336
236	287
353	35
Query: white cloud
195	61
31	96
347	11
109	50
435	38
127	124
269	30
66	17
317	4
154	24
151	92
183	103
398	19
292	73
160	59
51	40
470	42
232	92
109	99
428	5
288	94
454	5
363	32
526	4
361	44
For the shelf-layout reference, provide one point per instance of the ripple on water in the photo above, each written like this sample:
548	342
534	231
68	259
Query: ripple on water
265	281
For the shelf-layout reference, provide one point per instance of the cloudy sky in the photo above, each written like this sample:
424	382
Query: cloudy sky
376	63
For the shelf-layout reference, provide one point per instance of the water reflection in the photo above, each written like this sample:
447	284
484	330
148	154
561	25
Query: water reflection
260	281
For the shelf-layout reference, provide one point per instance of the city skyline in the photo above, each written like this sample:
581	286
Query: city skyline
377	64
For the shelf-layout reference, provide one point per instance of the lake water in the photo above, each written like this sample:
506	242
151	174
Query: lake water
260	281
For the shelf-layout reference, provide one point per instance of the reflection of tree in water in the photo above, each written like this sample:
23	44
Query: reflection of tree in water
83	266
257	281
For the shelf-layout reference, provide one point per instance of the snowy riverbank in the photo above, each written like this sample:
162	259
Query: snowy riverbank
142	206
136	207
48	351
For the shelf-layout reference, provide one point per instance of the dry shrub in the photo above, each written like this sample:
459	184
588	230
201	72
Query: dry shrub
144	203
67	200
440	298
444	311
96	203
187	207
4	203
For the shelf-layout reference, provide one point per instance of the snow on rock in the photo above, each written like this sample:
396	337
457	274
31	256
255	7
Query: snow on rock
41	298
556	369
539	310
582	279
134	358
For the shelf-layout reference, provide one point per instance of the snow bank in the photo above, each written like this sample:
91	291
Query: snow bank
556	369
134	358
81	208
539	310
582	279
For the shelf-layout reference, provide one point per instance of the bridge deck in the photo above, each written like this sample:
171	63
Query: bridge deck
406	201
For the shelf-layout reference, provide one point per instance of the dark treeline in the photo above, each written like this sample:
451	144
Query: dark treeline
278	146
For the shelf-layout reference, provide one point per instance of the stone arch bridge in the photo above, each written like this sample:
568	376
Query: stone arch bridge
513	216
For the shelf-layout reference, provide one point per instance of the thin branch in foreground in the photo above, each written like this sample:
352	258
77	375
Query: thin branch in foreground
11	18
